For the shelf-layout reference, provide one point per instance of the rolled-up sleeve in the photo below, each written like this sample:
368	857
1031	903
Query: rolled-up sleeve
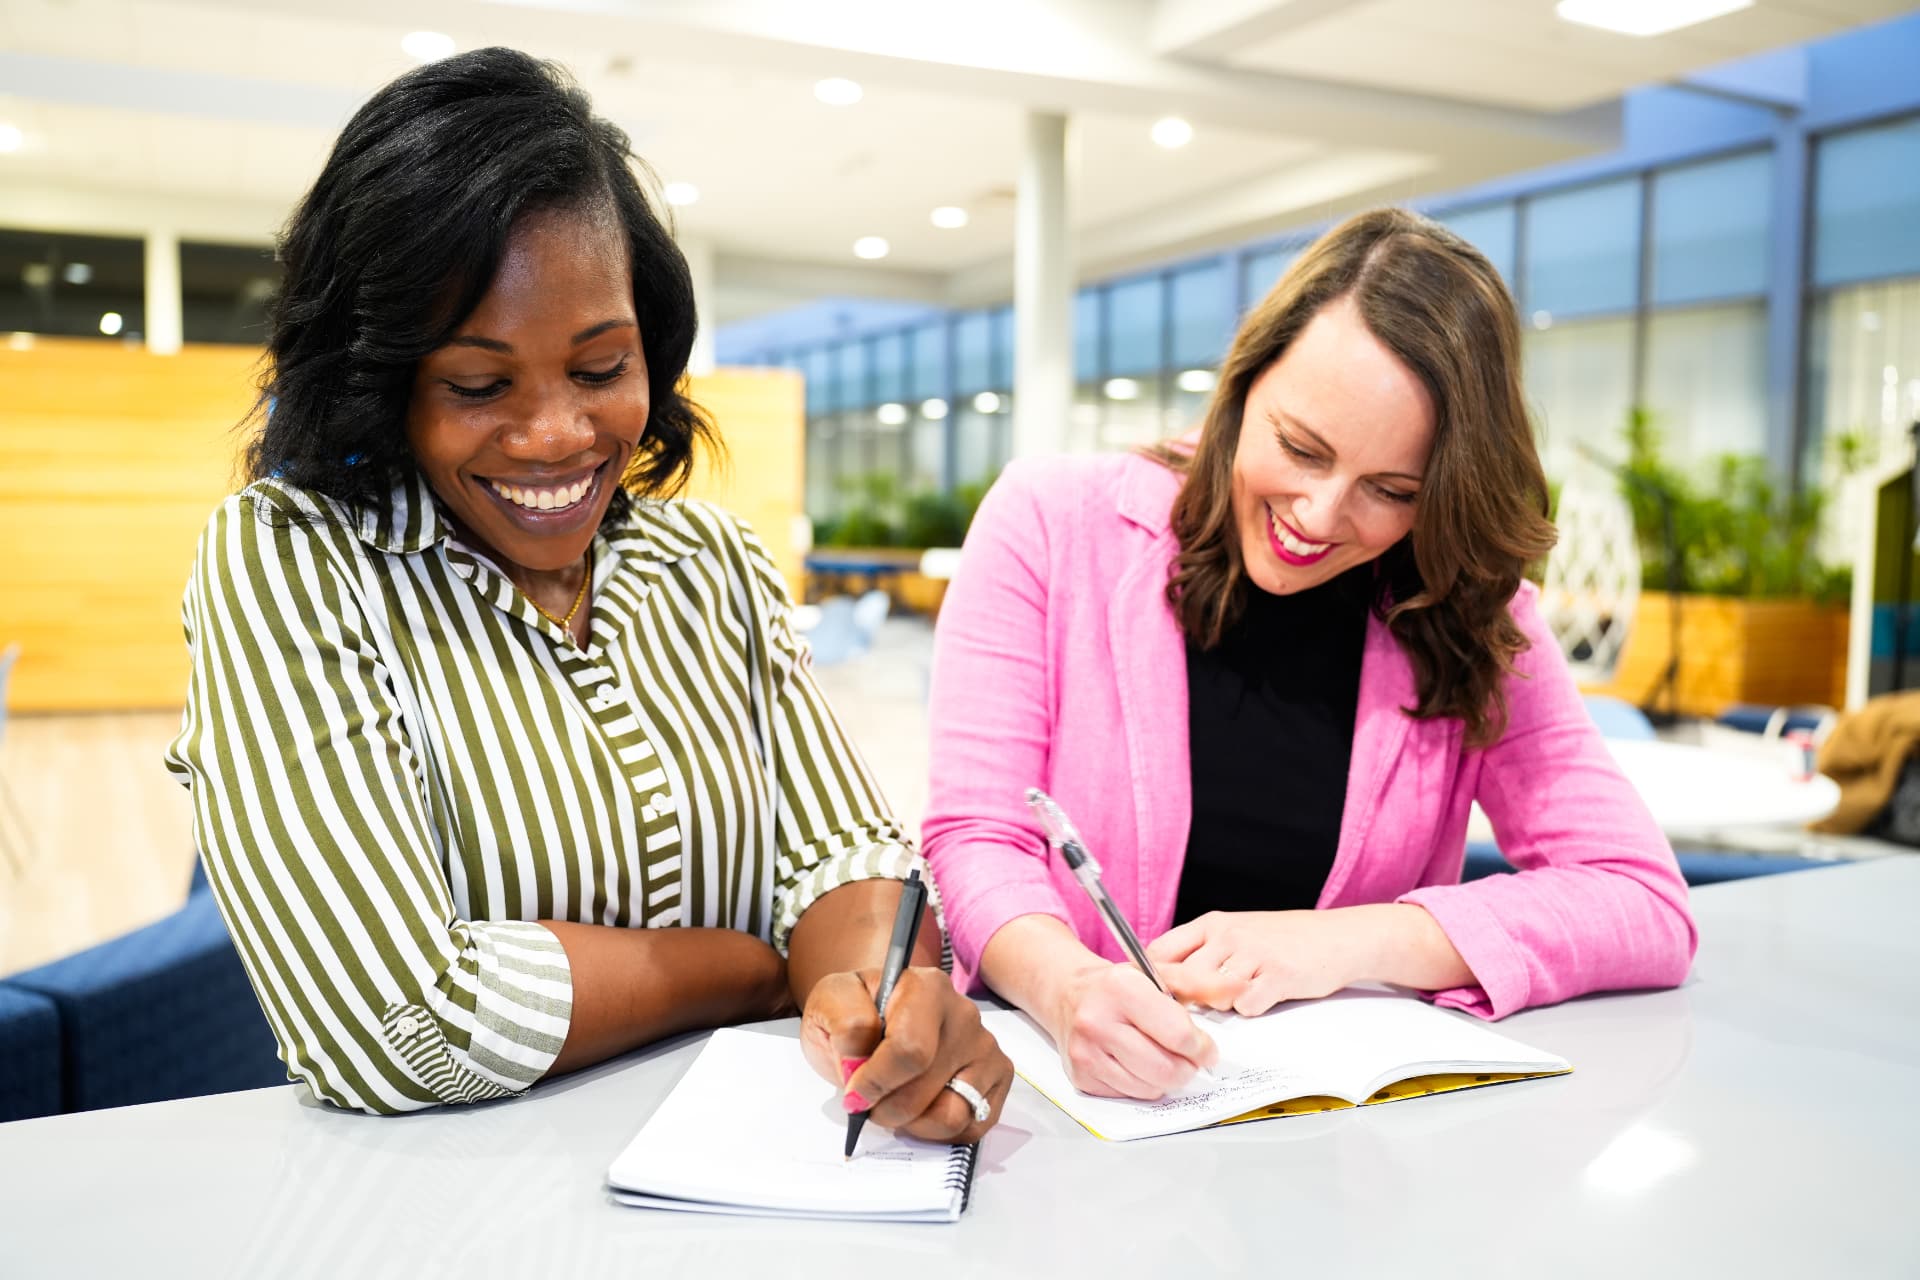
832	824
312	815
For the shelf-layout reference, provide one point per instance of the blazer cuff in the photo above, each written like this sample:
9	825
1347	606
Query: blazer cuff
1504	985
973	920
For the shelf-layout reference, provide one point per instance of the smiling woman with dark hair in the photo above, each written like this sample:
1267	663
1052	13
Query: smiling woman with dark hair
501	763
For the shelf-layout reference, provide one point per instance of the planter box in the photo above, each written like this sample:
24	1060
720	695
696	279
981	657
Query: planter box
895	570
1772	652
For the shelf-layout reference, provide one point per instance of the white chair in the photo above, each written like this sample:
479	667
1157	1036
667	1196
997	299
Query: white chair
1593	576
869	612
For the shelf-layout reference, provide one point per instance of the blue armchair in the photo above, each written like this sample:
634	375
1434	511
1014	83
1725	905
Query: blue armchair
1697	867
29	1055
162	1012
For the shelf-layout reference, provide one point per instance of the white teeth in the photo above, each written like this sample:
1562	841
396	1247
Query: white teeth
1298	546
543	499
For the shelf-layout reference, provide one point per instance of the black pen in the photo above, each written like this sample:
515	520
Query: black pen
906	930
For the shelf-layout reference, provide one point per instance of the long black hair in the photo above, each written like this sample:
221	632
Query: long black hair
398	242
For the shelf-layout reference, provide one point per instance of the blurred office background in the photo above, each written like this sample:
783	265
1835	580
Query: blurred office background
928	237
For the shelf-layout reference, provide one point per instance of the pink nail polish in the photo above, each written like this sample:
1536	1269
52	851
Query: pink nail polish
848	1066
854	1102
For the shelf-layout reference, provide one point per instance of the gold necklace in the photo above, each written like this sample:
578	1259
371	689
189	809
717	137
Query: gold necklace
566	623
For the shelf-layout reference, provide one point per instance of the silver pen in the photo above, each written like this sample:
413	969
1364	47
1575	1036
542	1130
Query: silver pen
1062	835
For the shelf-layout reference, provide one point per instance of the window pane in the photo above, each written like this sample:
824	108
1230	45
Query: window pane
1132	413
1867	204
890	367
1583	250
89	286
982	440
1863	368
927	467
1579	380
1710	229
1003	349
929	380
1086	335
1202	315
972	353
817	365
224	290
1262	269
1135	313
1491	230
1707	381
850	376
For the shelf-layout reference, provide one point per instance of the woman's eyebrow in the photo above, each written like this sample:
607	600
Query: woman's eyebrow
506	348
1282	419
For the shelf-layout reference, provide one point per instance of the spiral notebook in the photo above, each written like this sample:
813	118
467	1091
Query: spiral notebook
750	1129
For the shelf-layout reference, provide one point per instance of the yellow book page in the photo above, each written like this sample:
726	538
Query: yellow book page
1414	1087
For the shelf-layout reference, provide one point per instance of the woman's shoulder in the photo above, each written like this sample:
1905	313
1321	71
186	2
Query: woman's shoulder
1087	488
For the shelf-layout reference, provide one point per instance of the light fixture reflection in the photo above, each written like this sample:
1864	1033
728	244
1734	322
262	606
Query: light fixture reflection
1637	1160
987	402
837	91
949	217
891	415
1197	381
1172	132
871	248
680	193
933	410
1121	389
112	322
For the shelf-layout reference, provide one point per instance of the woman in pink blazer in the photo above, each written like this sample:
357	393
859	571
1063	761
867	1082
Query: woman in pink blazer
1267	670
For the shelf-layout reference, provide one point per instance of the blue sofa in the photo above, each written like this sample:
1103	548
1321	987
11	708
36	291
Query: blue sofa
1696	867
162	1012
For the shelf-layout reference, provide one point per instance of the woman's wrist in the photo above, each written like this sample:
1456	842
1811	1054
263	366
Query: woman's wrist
1401	943
1039	964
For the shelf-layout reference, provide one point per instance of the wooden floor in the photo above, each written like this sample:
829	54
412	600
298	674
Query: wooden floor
109	832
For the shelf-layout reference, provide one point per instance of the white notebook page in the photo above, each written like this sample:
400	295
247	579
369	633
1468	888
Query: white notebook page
751	1127
1345	1046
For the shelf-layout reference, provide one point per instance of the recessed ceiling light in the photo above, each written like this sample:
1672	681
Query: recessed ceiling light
11	139
678	193
891	414
949	217
111	323
837	92
987	402
426	46
933	410
77	272
1195	380
1122	389
1645	17
1172	131
871	247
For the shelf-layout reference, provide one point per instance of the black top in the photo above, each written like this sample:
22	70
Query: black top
1270	732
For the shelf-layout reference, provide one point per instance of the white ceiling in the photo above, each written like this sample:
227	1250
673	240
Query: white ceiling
211	117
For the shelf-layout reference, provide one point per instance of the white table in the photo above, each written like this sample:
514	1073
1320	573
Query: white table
1759	1121
1698	793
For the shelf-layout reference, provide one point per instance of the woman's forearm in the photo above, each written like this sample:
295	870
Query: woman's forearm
634	986
847	929
1029	961
1406	946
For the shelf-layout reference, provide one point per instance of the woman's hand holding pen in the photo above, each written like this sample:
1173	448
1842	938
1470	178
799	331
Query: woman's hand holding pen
1120	1036
933	1034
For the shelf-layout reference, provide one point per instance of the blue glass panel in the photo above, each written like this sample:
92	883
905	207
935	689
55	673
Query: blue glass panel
1135	313
1262	269
1710	229
1583	250
890	367
817	365
1202	315
928	380
1490	229
1866	215
1086	335
850	376
972	353
1003	349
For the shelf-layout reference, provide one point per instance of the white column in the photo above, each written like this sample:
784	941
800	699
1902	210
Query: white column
1042	292
699	256
164	320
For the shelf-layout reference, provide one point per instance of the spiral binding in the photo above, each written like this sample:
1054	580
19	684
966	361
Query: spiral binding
960	1164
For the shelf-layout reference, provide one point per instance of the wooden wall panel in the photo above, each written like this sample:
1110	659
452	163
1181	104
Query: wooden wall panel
111	460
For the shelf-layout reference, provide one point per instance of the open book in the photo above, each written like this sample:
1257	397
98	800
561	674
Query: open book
750	1129
1349	1049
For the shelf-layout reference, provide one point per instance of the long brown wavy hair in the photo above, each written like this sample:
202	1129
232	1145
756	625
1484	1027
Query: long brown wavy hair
1435	302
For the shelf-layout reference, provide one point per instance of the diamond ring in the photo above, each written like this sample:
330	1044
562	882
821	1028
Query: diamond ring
973	1098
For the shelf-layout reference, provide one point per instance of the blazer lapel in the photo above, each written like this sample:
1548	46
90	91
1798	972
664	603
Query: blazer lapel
1149	667
1380	728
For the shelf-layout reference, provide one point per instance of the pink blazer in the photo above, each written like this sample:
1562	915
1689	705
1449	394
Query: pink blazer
1059	663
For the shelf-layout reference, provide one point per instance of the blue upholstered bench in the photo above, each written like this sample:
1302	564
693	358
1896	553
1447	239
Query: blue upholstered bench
1696	867
162	1012
29	1055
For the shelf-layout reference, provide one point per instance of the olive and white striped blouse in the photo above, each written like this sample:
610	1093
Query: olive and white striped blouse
397	765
